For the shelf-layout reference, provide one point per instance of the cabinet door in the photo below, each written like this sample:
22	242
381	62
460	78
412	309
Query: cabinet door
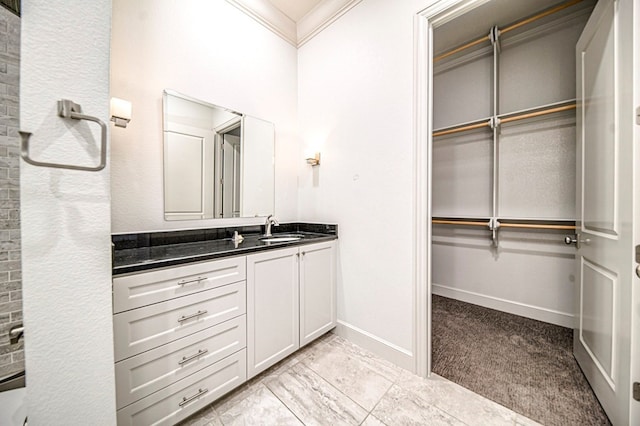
272	308
317	290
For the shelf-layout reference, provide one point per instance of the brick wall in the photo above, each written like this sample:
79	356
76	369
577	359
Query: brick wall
11	356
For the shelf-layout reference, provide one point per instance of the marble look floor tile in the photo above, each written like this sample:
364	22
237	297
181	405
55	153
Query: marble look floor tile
381	366
279	368
205	417
371	420
237	395
349	374
252	384
401	407
315	346
313	400
452	398
259	407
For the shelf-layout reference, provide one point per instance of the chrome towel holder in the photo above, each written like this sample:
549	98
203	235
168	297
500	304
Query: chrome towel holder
68	109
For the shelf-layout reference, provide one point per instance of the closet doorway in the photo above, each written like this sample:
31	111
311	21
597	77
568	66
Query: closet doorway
503	192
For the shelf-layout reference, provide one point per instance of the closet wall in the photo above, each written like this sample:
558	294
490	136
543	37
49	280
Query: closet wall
529	178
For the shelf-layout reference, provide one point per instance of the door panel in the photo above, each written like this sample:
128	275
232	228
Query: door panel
604	260
599	123
597	310
183	174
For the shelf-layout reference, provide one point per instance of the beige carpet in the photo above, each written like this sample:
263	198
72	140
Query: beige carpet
523	364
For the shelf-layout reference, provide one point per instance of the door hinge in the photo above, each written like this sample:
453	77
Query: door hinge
638	116
636	391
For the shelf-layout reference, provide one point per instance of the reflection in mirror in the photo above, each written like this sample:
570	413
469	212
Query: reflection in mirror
218	163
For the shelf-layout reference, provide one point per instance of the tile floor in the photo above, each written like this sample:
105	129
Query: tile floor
334	382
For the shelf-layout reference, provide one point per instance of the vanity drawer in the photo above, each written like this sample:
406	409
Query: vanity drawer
178	401
150	371
146	328
137	290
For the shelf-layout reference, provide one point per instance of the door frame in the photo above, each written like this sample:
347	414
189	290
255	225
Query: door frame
634	412
438	13
424	22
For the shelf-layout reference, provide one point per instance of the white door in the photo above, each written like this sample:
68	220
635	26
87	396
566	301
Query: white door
230	176
635	334
605	205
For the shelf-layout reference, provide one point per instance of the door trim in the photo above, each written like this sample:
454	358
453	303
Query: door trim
424	21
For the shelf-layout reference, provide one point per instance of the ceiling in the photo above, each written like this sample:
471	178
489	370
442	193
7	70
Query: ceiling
295	9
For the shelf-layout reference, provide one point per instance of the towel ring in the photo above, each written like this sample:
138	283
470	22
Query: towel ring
68	109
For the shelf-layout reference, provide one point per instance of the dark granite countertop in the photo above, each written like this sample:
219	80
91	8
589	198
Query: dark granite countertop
141	252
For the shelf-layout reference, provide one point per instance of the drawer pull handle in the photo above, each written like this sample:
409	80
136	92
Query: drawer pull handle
197	280
186	359
188	317
186	400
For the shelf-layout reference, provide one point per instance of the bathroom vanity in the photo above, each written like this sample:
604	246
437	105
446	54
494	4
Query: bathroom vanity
196	315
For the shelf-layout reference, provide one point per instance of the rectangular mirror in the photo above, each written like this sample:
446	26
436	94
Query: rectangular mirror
218	163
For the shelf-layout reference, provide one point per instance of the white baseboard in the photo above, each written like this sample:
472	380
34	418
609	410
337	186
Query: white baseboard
563	319
392	353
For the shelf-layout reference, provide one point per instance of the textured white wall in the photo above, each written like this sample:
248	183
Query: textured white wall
210	50
66	216
356	107
531	273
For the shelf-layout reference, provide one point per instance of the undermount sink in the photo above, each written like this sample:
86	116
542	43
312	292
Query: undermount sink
282	238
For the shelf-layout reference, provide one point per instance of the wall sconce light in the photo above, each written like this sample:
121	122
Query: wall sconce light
120	112
314	161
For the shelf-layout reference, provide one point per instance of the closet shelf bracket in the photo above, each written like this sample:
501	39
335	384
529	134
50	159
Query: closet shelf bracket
494	225
494	37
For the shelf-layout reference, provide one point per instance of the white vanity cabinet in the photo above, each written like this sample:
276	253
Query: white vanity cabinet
318	310
291	300
186	335
179	339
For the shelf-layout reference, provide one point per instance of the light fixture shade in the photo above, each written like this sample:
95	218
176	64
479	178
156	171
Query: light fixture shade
120	112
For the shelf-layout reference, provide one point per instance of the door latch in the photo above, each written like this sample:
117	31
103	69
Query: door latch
575	239
636	391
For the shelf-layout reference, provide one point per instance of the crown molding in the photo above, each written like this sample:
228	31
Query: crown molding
321	16
269	16
310	25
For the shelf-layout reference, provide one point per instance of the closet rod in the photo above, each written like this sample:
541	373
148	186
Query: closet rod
487	123
538	113
458	222
534	226
539	16
507	29
505	225
461	48
461	129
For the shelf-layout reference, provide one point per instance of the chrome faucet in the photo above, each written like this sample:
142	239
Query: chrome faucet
267	225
